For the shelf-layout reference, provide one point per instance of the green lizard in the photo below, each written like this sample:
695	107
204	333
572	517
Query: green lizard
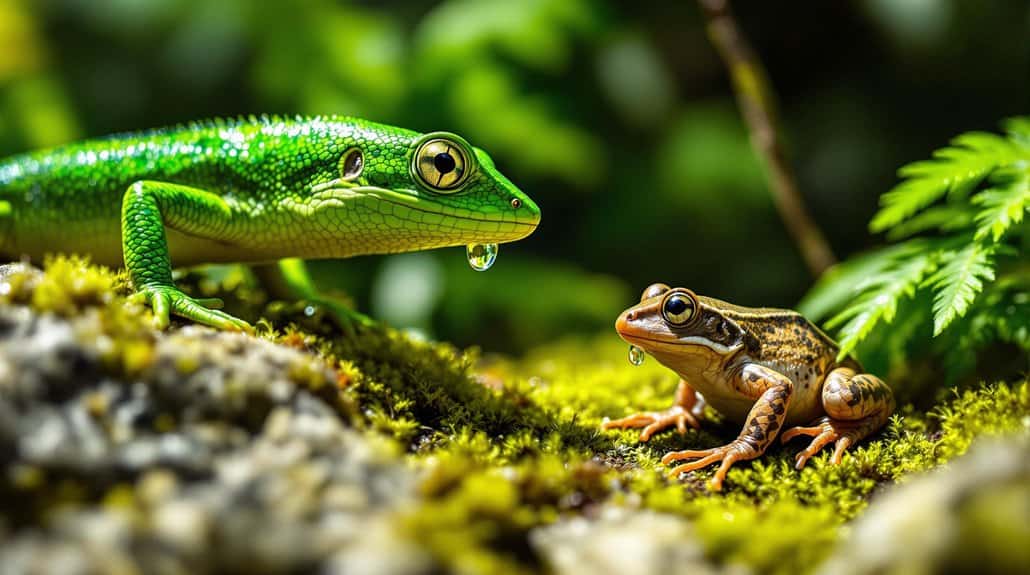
254	190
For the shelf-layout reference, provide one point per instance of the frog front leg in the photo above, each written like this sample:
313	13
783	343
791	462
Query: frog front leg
772	393
686	410
856	404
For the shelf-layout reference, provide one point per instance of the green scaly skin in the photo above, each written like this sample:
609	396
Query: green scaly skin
249	190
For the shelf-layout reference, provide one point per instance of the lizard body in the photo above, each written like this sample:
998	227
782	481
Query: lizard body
253	190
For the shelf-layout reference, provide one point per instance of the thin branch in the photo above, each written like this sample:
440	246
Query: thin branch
754	98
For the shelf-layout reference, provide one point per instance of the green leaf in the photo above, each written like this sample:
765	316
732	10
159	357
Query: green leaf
958	282
955	170
881	294
1003	205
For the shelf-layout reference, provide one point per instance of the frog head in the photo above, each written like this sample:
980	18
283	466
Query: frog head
683	331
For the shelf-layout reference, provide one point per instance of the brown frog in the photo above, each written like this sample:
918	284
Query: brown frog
767	368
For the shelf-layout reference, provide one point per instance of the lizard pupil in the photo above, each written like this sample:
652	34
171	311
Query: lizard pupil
444	163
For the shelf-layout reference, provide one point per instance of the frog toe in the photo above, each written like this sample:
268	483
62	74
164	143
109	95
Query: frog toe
728	454
655	421
842	434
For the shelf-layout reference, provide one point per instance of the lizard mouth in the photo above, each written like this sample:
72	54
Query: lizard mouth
337	193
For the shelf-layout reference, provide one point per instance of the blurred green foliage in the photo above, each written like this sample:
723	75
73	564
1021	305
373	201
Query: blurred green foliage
615	117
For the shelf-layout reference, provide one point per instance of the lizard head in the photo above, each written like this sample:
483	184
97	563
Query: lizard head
402	191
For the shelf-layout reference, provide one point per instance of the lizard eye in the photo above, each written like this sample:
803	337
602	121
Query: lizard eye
441	165
678	307
351	164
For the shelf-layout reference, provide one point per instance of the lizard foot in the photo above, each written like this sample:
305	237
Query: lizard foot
735	451
825	431
655	421
346	317
169	300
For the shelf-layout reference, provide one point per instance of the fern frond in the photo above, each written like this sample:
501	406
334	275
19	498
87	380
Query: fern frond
957	283
955	170
1018	129
880	296
1000	313
1003	205
944	218
841	283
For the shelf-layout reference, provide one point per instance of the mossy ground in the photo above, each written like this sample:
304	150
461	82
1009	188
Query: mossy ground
505	445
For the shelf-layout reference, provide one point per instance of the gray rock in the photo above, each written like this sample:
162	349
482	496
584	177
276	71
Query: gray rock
620	541
972	515
221	455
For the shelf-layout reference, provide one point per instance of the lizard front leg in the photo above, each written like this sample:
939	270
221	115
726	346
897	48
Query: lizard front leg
856	405
148	207
772	392
686	410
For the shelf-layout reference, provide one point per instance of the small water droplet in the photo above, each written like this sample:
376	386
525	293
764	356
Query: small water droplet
636	355
481	256
309	310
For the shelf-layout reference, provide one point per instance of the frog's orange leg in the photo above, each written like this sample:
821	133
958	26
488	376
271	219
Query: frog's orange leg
772	392
686	410
856	405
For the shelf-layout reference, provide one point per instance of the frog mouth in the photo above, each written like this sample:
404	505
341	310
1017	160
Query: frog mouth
678	345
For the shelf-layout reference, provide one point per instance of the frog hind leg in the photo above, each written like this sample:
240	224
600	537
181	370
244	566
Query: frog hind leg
856	405
685	411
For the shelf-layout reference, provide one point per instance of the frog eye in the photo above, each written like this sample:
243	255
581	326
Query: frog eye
678	307
441	164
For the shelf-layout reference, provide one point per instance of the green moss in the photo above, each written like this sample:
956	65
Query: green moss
70	286
504	446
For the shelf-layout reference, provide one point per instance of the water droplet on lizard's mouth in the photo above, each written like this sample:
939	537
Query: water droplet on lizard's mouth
481	256
636	355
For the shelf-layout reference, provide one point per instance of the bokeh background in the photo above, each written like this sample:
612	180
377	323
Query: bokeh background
616	117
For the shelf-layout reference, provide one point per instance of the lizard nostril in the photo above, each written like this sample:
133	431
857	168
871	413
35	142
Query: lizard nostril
631	316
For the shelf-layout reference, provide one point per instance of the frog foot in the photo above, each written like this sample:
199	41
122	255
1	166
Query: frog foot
655	421
167	300
825	431
737	450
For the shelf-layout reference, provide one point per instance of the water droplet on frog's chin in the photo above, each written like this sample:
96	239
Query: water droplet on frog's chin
636	355
481	256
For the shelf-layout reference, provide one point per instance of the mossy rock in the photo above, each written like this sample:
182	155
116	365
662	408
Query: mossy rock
126	449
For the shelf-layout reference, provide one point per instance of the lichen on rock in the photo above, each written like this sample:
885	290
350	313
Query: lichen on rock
192	450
